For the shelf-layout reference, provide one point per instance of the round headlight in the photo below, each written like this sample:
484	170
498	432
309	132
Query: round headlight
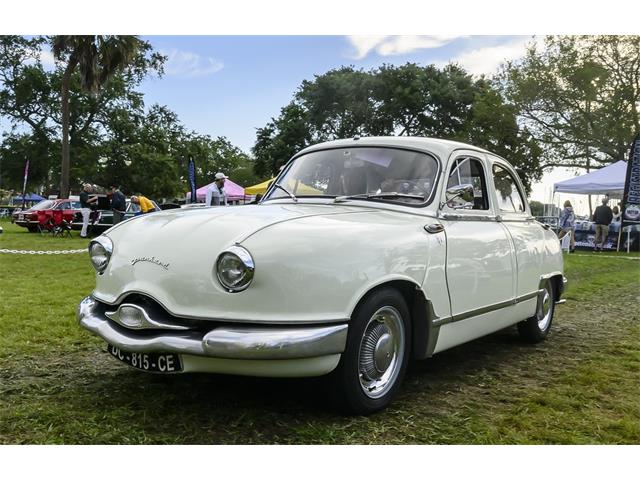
235	269
100	251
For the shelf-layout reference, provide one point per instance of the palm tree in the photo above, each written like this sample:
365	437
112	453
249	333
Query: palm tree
97	58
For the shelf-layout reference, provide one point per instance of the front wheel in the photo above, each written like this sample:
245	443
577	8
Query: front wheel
375	359
536	328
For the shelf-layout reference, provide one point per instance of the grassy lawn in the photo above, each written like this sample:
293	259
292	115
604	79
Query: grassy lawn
58	384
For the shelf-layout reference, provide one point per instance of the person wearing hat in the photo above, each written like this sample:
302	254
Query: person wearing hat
118	204
86	202
216	194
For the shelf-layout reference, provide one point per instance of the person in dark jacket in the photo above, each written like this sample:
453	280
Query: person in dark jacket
118	204
602	217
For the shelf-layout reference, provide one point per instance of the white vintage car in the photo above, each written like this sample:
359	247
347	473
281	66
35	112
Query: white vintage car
362	254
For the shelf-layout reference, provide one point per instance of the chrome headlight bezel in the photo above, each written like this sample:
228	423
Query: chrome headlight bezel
242	257
100	246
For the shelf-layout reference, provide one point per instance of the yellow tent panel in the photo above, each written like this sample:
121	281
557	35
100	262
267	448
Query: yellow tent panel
262	187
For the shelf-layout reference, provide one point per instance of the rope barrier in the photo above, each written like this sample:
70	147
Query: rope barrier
42	252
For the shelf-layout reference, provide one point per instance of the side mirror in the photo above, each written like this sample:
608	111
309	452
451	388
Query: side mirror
460	196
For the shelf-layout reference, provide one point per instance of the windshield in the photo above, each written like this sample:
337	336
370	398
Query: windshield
43	205
388	174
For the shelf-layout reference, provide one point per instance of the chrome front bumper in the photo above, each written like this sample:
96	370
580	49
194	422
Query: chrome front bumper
242	343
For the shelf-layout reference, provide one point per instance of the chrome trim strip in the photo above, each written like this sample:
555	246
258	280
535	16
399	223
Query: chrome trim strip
486	309
256	343
147	321
281	343
222	320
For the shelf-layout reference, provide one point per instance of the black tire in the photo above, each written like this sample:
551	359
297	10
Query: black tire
32	229
346	384
534	329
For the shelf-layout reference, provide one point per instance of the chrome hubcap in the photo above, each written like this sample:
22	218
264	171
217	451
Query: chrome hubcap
381	352
544	311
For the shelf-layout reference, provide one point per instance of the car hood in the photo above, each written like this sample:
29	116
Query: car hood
214	228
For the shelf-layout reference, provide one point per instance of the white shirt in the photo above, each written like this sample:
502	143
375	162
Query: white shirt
215	196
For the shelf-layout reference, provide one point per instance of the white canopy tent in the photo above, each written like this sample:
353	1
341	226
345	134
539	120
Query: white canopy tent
605	181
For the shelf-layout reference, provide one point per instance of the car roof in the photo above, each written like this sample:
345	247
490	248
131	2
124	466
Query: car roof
438	146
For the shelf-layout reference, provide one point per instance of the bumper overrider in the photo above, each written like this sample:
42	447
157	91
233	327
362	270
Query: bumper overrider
274	351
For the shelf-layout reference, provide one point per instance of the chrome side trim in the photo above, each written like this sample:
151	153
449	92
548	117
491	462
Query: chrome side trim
486	309
251	343
218	319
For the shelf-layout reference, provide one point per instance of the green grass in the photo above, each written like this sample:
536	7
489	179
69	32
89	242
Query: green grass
58	385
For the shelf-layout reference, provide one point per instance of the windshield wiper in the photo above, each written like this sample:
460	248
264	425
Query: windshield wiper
368	196
293	197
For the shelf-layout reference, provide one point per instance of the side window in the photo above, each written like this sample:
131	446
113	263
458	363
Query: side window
467	170
509	197
63	206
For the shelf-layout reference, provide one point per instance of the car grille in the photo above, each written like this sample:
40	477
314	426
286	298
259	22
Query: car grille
158	313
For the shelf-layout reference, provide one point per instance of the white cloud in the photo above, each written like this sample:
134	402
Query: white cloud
386	45
486	60
189	64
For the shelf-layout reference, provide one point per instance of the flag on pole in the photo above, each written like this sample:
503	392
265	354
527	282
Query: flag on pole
24	183
192	179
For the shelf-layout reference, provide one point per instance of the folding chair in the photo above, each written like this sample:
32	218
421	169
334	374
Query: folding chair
565	242
60	224
45	225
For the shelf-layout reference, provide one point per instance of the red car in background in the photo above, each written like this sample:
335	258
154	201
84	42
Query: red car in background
29	218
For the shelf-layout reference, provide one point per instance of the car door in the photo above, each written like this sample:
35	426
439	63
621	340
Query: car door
527	234
480	262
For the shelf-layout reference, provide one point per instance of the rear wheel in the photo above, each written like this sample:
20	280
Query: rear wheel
536	328
375	359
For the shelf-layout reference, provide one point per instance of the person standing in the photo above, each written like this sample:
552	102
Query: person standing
146	205
86	202
617	215
602	217
118	204
216	194
567	225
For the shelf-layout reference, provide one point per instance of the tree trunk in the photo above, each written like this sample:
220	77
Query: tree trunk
66	160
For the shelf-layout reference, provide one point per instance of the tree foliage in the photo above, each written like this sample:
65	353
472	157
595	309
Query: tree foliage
578	96
114	136
397	100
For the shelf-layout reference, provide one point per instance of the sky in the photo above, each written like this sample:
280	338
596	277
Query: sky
231	85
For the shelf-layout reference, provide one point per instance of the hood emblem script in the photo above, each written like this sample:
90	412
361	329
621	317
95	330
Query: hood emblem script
153	260
134	317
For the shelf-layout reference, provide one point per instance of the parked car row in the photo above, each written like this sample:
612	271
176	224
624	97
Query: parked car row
101	220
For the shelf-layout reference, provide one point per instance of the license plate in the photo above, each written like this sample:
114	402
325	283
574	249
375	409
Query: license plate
149	362
21	216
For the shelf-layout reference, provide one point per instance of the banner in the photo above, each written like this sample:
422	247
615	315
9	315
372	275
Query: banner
24	184
192	180
631	197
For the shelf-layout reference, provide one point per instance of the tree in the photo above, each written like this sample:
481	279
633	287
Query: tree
578	96
397	100
97	58
280	139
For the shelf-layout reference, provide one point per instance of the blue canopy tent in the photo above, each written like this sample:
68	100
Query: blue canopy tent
29	197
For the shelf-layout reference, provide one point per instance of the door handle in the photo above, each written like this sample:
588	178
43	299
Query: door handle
434	228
